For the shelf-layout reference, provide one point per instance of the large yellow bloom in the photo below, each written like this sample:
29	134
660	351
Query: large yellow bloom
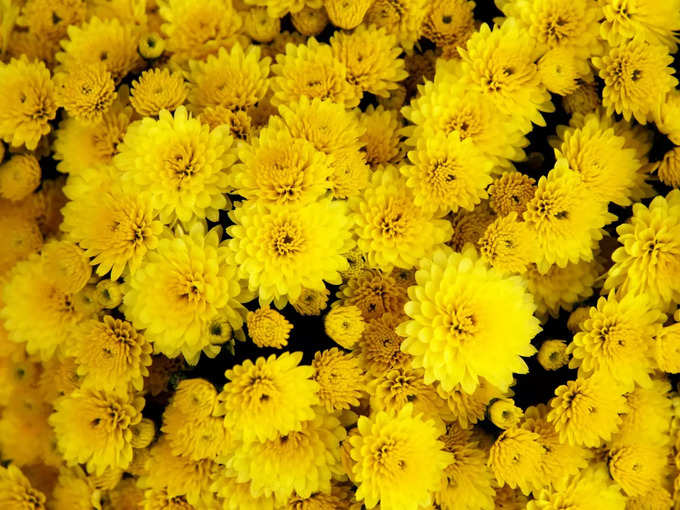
648	262
468	321
399	460
392	231
184	288
516	459
269	398
282	250
180	163
657	22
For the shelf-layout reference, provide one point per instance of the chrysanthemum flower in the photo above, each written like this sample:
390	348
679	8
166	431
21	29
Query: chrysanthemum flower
561	70
43	328
447	173
403	19
151	45
516	459
344	324
111	355
507	245
636	76
300	461
349	174
279	169
27	103
579	492
399	460
638	469
382	137
379	348
19	177
650	410
565	218
309	21
504	413
469	408
668	169
260	26
586	411
115	228
311	302
371	56
67	264
109	293
235	79
449	24
449	105
609	168
467	483
340	378
282	250
181	163
95	428
160	499
453	326
390	229
268	328
512	191
268	398
16	492
102	41
469	226
195	30
311	70
553	354
585	99
86	92
617	340
347	15
648	262
156	90
667	347
181	289
626	19
500	64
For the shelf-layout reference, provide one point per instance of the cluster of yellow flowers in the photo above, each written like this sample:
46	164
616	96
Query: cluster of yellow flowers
180	179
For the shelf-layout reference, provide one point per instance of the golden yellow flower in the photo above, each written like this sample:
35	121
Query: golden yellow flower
470	408
344	324
668	169
657	23
585	99
403	19
27	103
268	328
269	398
553	354
109	293
16	492
67	264
510	192
638	469
379	348
504	413
260	26
449	24
85	91
507	245
156	90
311	302
667	347
19	177
561	70
516	459
382	136
151	46
347	14
309	21
341	380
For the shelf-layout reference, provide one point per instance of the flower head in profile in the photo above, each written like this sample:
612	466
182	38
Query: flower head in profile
282	250
347	15
96	428
553	354
268	398
180	163
399	460
16	491
27	102
454	325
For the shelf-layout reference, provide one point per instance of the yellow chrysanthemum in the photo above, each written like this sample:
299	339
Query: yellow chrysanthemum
151	46
636	77
561	70
449	24
626	19
235	79
179	162
340	378
585	99
27	103
399	460
156	90
648	262
311	302
500	64
617	340
349	174
403	19
667	347
390	229
382	137
181	289
447	173
504	413
260	26
269	398
565	219
42	328
111	355
278	169
470	408
455	324
282	250
311	70
301	461
195	30
516	459
86	92
587	411
510	192
268	328
638	469
16	492
553	354
650	411
109	293
19	177
469	226
236	495
115	228
345	325
371	56
346	14
379	348
160	499
67	264
102	41
309	21
95	428
507	245
668	169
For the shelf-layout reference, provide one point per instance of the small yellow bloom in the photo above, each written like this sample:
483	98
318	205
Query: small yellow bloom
344	324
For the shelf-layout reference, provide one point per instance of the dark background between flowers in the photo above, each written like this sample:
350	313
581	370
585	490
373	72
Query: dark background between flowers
308	333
